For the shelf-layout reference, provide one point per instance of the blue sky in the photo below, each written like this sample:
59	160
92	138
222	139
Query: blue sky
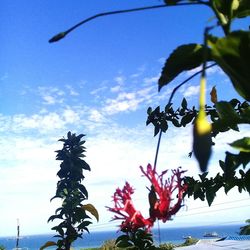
99	81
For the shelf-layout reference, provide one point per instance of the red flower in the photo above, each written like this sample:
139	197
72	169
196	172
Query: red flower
125	210
162	204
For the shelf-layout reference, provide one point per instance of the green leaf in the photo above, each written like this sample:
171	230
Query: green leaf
48	244
227	113
243	10
185	57
232	54
242	144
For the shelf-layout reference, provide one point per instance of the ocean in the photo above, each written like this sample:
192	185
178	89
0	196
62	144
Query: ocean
96	239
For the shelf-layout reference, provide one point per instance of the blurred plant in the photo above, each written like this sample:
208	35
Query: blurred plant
167	246
162	206
2	247
245	230
72	192
108	245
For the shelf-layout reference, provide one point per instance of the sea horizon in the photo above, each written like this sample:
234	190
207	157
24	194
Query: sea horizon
97	238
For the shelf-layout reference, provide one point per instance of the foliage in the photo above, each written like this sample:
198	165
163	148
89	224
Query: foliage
135	239
167	246
224	116
2	247
189	242
232	54
73	214
245	230
108	245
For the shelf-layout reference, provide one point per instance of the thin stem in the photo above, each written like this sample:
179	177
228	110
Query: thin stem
170	100
63	34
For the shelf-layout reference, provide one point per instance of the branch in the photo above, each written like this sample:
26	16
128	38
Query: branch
61	35
169	101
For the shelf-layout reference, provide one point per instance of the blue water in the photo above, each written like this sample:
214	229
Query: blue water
96	239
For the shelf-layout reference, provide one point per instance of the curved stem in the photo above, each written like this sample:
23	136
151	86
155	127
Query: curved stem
61	35
169	101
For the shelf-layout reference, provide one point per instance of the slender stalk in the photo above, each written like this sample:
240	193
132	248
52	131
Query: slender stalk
61	35
170	100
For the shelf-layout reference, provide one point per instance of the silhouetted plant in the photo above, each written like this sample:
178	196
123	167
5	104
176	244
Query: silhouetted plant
72	213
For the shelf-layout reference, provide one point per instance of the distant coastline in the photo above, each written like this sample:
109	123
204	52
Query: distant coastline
97	238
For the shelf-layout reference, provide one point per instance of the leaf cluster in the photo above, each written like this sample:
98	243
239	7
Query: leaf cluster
138	239
72	213
224	116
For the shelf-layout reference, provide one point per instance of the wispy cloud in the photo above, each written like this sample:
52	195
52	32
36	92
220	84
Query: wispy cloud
190	91
71	90
51	95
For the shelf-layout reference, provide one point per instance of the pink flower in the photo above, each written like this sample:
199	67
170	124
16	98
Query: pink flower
125	210
163	205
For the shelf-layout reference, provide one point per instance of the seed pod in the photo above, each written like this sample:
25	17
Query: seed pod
202	141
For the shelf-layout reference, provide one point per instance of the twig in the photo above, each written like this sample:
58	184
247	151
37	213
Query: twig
61	35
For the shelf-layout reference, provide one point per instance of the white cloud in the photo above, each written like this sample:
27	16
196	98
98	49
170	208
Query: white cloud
70	116
72	91
127	101
191	91
211	71
46	122
51	95
116	88
151	80
120	80
96	116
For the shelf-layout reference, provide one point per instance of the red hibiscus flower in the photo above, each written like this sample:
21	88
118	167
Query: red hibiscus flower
162	192
161	200
124	210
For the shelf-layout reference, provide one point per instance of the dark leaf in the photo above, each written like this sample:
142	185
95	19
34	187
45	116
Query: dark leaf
187	119
185	57
184	103
210	195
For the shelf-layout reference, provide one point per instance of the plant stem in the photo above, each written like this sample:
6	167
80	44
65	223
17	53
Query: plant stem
169	101
63	34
